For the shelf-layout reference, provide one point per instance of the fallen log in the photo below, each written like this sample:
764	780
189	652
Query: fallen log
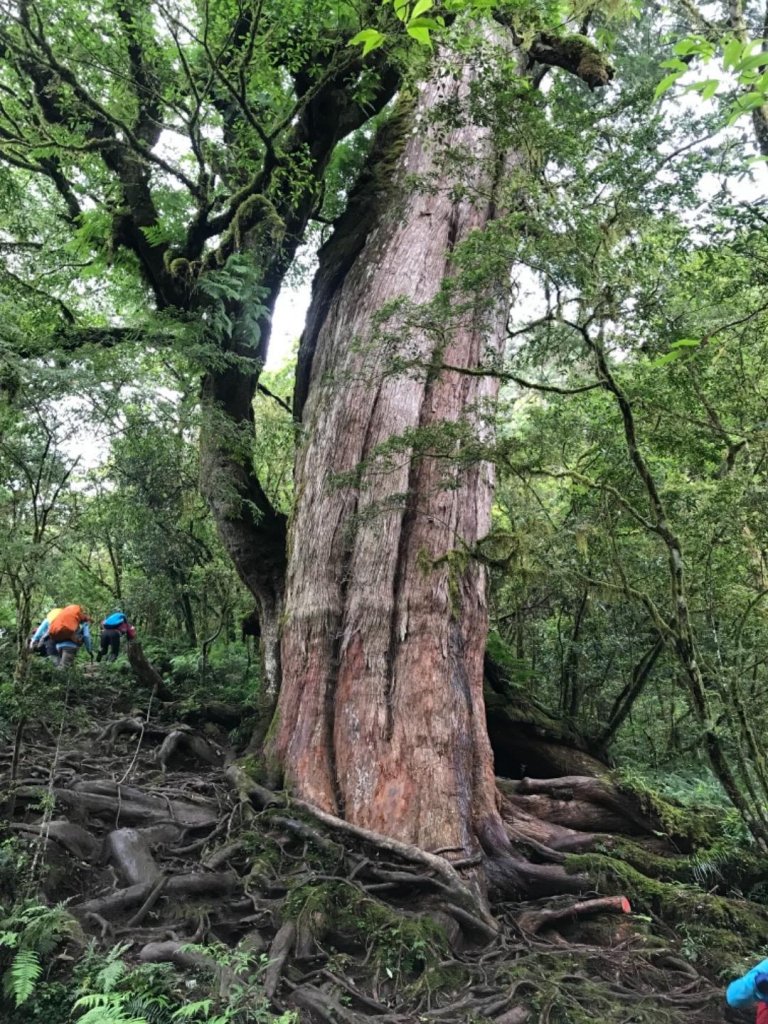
599	792
572	816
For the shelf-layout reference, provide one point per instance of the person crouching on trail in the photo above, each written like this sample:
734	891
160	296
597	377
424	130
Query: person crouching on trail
113	628
751	990
40	640
69	630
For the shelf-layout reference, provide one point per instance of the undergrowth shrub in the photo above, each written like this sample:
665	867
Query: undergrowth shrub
228	674
14	865
112	992
29	934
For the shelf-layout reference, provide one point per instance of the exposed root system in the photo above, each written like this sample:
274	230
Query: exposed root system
155	836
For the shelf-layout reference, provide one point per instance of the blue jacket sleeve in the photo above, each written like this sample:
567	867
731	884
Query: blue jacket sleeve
40	632
742	992
87	637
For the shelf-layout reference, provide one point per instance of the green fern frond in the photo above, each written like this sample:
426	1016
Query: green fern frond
37	927
109	1015
105	1008
108	977
21	977
98	999
152	1009
708	864
202	1007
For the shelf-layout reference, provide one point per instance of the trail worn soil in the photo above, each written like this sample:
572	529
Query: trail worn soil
152	836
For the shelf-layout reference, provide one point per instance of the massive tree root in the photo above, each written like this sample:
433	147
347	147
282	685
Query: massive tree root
155	842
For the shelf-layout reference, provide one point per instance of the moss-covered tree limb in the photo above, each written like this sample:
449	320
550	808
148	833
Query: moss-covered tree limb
574	53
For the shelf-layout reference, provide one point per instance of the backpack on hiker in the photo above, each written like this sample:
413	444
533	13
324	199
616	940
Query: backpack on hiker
114	620
66	625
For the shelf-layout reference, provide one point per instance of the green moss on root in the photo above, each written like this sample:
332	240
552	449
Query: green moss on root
741	927
405	947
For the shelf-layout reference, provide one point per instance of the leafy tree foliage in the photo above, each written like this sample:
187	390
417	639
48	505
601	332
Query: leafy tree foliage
161	166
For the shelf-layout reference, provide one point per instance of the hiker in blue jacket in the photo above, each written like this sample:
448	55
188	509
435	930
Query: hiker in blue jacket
41	642
751	990
67	649
113	628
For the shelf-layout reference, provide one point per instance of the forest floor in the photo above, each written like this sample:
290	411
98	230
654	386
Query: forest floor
141	826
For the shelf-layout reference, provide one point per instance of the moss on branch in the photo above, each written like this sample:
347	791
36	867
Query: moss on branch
574	53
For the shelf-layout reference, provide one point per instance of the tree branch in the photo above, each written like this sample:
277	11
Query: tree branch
573	53
508	376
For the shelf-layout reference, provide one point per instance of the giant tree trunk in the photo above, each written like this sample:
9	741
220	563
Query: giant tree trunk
252	531
381	717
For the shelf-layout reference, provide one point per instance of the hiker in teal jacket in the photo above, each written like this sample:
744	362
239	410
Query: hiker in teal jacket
113	628
751	990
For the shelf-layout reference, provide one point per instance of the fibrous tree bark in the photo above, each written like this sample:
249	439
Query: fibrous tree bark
253	531
381	716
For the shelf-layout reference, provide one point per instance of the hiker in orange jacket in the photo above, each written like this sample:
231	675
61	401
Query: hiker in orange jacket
69	631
